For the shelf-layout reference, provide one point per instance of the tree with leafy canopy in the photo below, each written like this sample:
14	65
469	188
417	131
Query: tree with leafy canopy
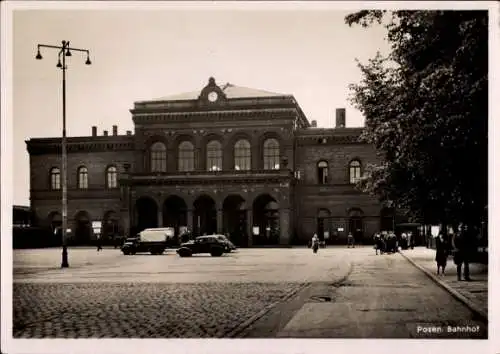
426	111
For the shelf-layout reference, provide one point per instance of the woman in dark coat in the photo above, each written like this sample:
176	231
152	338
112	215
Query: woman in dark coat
441	254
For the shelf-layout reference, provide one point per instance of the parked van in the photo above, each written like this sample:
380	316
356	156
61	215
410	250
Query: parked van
149	240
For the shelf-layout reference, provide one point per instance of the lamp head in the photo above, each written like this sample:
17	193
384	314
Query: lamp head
38	55
88	62
68	53
59	65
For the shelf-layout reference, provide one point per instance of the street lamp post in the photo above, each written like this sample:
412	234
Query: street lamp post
64	51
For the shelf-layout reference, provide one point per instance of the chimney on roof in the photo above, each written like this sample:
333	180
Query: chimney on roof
94	130
105	133
115	130
314	124
340	118
129	132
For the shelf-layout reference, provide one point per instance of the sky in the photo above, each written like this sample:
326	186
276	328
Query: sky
145	53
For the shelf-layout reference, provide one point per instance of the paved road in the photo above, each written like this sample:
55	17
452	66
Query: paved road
381	297
297	265
107	294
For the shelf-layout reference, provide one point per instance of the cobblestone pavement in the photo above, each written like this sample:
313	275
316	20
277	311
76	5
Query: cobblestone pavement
108	294
130	310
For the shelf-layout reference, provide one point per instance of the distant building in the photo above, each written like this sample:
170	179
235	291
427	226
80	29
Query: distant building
226	159
21	216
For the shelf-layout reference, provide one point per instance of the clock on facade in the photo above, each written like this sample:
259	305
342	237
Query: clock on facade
212	96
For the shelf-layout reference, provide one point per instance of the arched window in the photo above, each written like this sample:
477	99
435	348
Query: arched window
111	177
354	171
186	156
322	172
83	178
55	179
158	157
271	154
214	156
242	155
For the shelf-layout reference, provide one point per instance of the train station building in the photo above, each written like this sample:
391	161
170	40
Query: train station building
223	159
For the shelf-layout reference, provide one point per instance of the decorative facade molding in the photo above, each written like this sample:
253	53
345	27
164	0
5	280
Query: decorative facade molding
53	146
329	140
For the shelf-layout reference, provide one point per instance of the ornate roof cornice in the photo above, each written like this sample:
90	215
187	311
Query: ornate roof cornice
202	116
196	105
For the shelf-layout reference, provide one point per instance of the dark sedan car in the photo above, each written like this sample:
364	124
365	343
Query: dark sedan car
230	246
203	244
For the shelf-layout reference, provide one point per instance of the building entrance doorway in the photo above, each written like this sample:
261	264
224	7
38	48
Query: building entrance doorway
235	220
204	216
356	225
266	219
83	228
175	215
146	212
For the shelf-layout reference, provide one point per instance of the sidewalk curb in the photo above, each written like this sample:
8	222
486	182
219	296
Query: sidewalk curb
453	292
242	326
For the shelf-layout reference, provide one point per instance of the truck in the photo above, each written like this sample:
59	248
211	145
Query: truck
150	240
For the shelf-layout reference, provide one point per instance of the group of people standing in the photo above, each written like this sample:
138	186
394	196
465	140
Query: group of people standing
385	242
460	247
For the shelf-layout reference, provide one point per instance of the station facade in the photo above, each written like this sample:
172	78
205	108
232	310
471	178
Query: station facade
225	159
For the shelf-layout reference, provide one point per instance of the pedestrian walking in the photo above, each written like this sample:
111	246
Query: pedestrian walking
392	242
411	241
379	244
315	243
404	241
99	243
350	240
441	253
461	252
116	240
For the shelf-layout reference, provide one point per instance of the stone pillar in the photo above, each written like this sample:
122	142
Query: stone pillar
125	209
125	218
189	220
160	217
198	160
249	227
220	221
171	160
284	226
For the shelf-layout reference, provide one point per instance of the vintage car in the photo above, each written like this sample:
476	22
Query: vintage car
230	246
204	244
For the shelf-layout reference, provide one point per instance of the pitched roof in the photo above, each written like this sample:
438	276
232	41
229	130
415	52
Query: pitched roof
231	91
